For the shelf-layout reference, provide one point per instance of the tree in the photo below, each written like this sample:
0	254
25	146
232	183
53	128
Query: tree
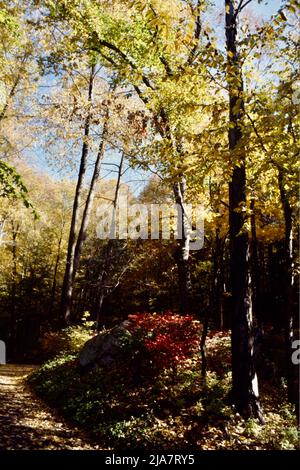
170	68
274	126
13	75
31	253
244	379
66	296
169	114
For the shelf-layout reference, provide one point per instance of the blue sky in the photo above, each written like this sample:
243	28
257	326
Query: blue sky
266	8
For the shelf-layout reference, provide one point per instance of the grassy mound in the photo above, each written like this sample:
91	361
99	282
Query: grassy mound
169	409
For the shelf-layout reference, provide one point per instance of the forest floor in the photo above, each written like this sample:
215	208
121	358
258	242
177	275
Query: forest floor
26	423
125	407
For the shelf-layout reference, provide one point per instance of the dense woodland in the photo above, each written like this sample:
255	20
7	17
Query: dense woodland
201	98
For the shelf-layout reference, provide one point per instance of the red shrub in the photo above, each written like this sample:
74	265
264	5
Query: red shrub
168	338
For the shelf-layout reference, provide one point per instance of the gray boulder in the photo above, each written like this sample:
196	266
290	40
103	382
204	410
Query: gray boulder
106	349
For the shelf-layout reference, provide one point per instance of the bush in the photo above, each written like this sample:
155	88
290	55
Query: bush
168	339
176	408
67	341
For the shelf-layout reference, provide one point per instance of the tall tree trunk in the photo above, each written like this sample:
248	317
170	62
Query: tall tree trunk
57	261
13	311
203	347
183	250
99	308
216	297
217	284
292	370
255	269
244	379
104	273
67	289
90	198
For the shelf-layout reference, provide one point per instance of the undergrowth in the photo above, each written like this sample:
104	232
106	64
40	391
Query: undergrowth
175	408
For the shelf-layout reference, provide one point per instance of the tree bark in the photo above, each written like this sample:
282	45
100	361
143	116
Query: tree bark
13	312
244	379
203	348
292	371
57	261
217	284
67	289
255	269
99	310
183	250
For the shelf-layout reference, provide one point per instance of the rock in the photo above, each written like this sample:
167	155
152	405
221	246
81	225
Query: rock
106	349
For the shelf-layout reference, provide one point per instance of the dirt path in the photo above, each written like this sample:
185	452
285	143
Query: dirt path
26	423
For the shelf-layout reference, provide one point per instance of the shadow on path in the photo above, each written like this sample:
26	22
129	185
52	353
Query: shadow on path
26	423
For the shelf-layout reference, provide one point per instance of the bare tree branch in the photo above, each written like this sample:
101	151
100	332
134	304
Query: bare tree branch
240	7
